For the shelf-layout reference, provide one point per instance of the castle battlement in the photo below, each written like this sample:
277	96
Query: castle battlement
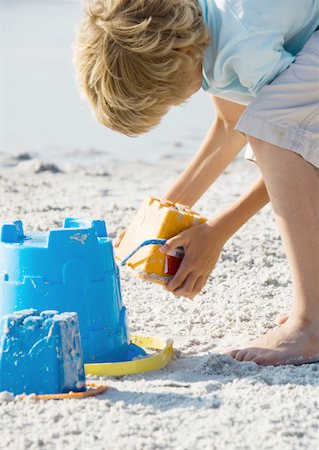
67	269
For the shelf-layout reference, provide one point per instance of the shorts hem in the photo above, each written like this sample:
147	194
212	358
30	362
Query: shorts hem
279	136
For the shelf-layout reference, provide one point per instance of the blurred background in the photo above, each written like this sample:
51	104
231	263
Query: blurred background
41	110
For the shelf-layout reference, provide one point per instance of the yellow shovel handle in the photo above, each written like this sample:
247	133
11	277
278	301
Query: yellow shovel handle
146	364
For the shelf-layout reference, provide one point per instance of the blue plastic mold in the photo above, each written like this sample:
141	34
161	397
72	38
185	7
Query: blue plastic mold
68	269
41	353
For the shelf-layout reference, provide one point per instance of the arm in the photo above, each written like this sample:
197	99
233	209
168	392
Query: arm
220	146
234	217
204	243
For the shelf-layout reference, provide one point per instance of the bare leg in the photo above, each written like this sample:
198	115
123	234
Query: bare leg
293	188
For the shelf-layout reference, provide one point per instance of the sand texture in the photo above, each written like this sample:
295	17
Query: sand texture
202	400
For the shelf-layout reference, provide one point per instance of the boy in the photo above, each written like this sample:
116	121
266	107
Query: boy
135	59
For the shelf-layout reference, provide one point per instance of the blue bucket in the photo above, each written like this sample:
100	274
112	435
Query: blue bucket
71	269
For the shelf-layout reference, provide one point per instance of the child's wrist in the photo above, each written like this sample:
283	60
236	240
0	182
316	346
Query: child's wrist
222	226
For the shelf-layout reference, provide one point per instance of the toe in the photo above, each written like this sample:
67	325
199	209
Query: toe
240	355
232	352
250	355
262	360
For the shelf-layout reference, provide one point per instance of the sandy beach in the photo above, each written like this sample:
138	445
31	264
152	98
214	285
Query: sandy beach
55	162
202	400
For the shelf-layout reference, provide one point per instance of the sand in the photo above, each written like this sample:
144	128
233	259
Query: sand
202	400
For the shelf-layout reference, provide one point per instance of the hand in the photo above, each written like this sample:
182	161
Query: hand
119	238
202	245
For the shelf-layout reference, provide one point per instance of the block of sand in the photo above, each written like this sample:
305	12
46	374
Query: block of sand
156	219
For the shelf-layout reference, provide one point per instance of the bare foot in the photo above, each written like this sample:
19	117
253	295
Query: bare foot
290	343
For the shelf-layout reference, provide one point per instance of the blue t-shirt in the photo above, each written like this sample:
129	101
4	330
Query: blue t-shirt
252	42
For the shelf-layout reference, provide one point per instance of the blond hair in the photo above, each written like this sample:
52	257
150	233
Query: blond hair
128	59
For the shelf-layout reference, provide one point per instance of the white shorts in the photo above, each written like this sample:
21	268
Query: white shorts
286	112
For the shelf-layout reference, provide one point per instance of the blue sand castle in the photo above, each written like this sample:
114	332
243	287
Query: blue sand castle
41	353
68	269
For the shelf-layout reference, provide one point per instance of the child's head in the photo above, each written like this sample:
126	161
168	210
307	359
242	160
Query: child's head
136	58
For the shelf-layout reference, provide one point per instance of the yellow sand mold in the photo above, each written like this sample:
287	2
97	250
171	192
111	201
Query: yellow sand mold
156	219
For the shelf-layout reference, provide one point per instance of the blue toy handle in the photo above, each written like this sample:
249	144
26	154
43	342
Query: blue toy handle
143	244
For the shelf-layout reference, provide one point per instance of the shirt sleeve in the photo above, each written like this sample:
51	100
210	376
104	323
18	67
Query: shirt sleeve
259	59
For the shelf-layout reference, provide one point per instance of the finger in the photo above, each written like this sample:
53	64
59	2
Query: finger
174	242
180	277
200	283
187	290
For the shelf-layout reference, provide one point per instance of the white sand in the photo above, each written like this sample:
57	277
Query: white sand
202	400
